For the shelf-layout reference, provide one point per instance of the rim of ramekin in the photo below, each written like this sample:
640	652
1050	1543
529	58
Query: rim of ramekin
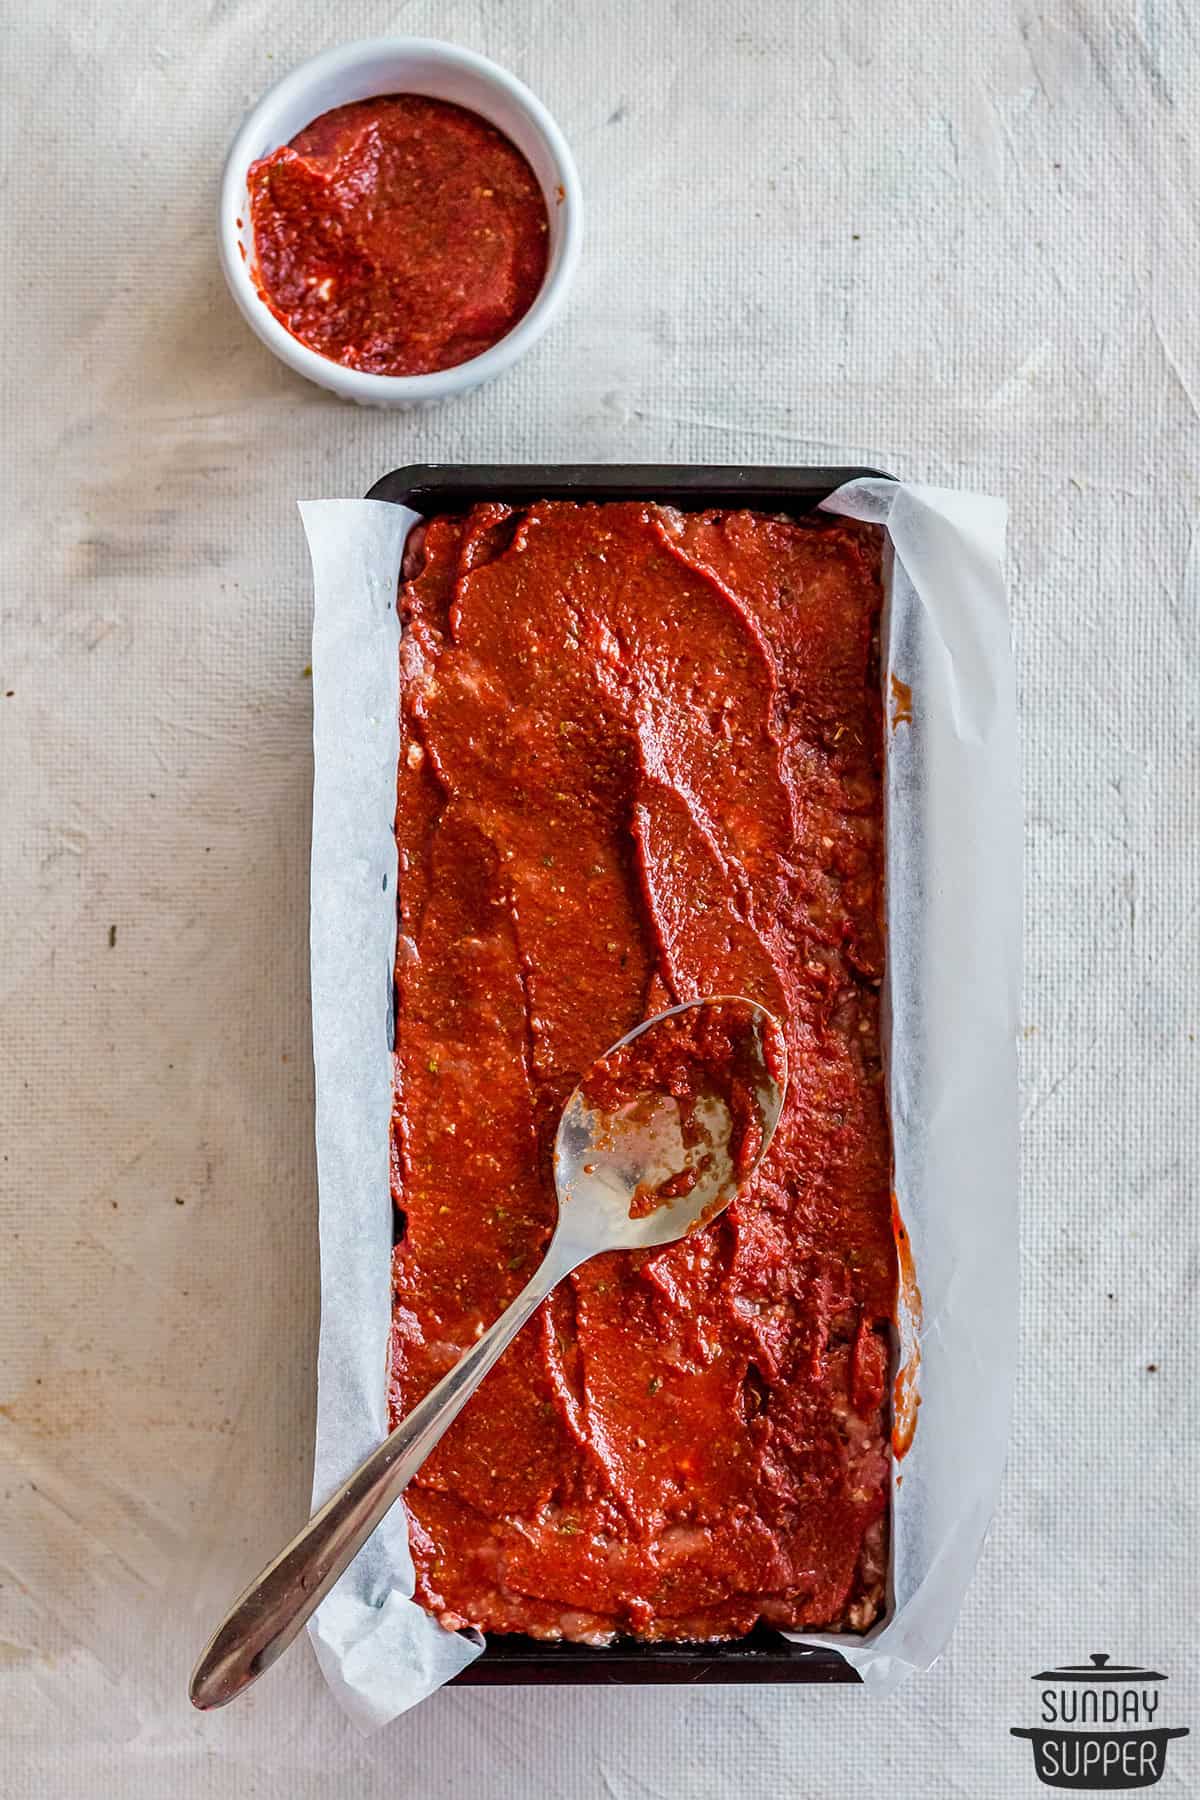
359	384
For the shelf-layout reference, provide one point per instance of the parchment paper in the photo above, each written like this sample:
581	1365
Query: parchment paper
951	991
379	1651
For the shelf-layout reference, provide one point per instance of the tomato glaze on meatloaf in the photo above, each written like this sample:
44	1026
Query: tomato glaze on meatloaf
641	758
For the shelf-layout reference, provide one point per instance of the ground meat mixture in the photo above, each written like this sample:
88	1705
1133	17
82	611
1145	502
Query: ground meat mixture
640	763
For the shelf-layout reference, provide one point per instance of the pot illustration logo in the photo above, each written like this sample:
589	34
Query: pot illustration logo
1100	1726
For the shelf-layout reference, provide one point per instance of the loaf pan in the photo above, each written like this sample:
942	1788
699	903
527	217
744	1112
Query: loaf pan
430	488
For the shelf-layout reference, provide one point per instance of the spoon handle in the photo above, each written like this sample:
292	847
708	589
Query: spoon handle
262	1623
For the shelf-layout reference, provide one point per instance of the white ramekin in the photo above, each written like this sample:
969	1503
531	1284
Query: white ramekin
402	66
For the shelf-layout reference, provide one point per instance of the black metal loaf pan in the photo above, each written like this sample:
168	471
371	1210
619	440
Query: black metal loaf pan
430	488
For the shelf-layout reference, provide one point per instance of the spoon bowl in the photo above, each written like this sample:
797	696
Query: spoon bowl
626	1146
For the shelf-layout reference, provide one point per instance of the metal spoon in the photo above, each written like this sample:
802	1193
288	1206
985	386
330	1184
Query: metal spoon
605	1162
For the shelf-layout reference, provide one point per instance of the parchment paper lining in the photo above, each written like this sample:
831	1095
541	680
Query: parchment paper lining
951	990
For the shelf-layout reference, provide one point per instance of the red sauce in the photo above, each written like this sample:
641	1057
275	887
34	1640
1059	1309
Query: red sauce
901	703
641	757
398	235
906	1396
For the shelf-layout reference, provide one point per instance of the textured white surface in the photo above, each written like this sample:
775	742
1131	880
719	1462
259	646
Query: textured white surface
956	240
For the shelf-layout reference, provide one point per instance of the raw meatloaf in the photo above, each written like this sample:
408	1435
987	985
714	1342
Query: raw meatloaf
640	762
